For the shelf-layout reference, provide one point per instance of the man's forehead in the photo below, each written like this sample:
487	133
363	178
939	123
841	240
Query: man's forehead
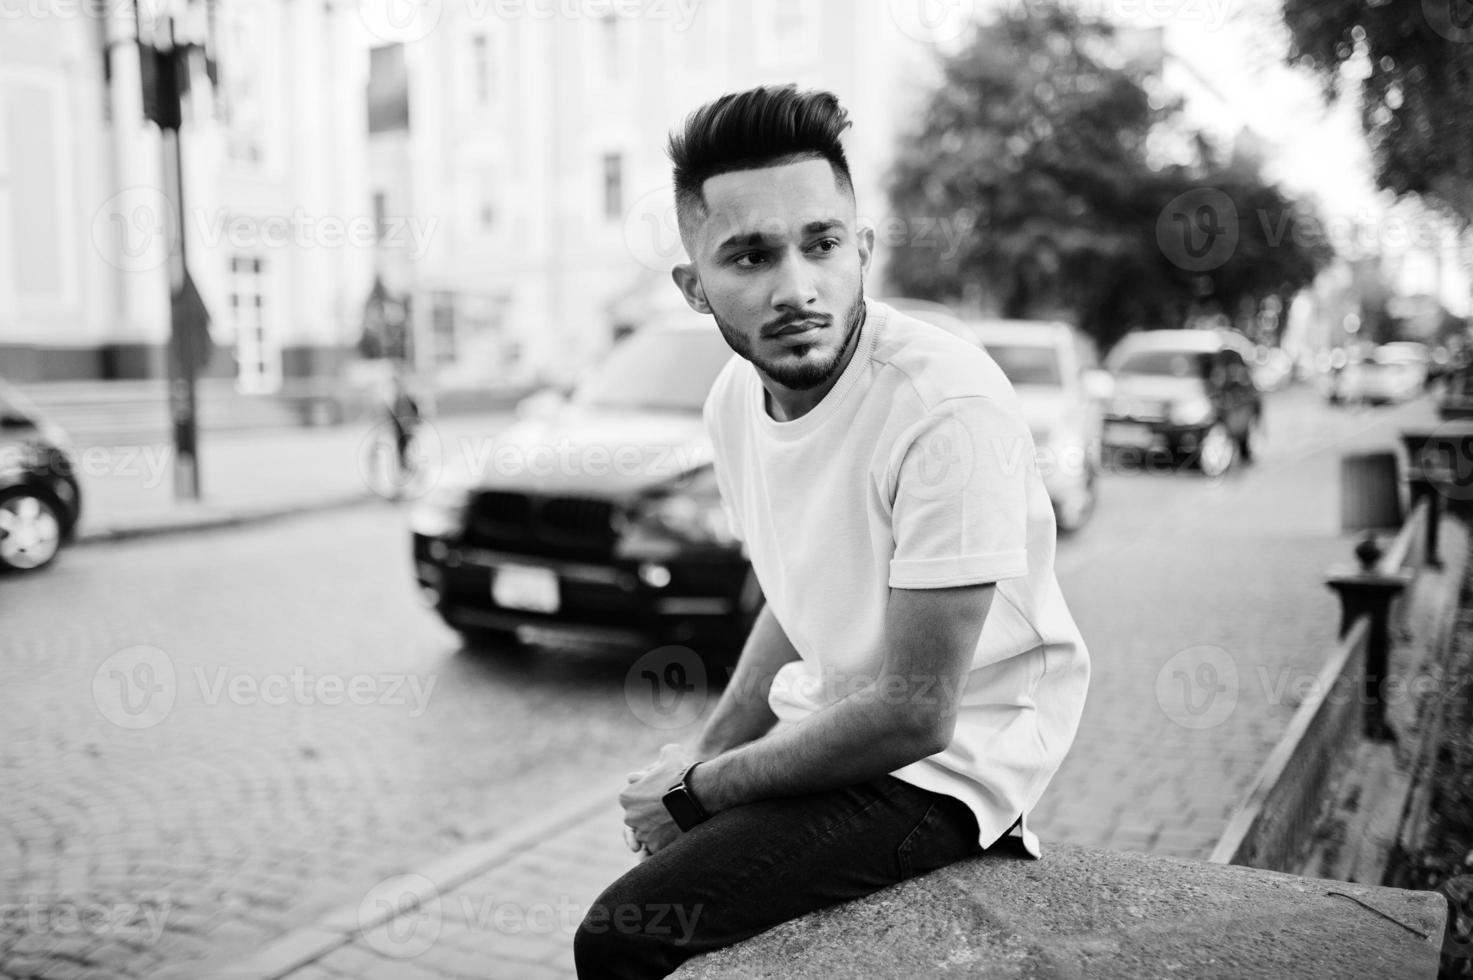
782	201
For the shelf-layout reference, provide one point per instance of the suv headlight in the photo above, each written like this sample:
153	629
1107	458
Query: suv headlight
1191	411
442	512
690	510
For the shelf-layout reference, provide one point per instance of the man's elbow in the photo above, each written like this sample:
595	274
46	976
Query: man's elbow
925	733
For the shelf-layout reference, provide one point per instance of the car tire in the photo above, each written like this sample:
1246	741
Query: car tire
479	639
1218	451
30	530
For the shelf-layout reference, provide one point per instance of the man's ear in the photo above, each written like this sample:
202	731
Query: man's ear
865	241
689	283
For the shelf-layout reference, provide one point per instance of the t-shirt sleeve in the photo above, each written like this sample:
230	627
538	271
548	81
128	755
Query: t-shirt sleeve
960	508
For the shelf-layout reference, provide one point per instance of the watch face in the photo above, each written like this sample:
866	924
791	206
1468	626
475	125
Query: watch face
682	808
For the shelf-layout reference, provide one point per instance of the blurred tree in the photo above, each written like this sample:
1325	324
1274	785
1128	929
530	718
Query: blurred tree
1035	146
1416	63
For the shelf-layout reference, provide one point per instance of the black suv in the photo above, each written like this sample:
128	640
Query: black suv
40	501
597	521
1187	392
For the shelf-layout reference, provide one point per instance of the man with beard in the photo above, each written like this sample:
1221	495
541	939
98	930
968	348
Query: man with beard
915	677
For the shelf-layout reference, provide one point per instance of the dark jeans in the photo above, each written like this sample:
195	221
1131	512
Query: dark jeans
751	867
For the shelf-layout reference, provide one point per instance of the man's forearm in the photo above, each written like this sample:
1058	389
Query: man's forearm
861	737
743	714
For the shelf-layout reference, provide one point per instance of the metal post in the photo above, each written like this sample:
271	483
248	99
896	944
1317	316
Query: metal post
1367	591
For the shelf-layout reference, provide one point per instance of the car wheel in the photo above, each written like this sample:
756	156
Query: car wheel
1218	451
30	530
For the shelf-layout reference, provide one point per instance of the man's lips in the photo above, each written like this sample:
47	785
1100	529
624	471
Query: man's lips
803	326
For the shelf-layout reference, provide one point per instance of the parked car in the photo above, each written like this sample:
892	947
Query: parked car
936	314
598	520
1386	374
40	499
1049	365
1186	392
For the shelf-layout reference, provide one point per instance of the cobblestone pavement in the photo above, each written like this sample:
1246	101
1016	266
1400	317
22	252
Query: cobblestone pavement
151	850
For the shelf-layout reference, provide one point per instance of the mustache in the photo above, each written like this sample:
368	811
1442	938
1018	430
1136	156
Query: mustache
789	320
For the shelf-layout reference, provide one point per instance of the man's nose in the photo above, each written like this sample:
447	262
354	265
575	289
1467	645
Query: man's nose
794	288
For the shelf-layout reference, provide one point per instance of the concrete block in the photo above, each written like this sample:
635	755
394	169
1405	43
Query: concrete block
1081	912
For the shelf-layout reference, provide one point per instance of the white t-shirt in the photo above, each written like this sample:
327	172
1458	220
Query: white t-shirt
915	471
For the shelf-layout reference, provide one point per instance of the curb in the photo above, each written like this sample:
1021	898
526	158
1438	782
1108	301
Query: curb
343	925
219	520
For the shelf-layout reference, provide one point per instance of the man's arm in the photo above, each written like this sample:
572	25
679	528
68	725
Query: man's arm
903	715
743	713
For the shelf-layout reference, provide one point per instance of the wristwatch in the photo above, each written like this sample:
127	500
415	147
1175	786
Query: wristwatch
681	802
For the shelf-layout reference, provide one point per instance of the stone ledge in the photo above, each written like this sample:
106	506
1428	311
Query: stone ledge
1082	912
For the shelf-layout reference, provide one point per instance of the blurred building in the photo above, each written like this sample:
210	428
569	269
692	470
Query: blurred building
479	186
534	145
276	216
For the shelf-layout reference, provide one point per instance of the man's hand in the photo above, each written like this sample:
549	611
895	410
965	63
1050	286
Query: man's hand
641	799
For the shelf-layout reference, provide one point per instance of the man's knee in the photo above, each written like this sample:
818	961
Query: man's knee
629	939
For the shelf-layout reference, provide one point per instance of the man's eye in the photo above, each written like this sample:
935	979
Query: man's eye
826	245
747	260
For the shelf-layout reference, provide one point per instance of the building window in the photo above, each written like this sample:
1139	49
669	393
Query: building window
257	350
380	216
613	186
481	66
442	328
610	33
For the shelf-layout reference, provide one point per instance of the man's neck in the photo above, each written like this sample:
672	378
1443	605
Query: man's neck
785	404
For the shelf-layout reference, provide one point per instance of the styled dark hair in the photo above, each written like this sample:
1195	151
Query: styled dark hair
766	126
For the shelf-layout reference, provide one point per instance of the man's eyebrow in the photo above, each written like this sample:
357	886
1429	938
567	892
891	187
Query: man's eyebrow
756	239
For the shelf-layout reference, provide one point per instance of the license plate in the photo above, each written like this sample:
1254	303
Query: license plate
1129	435
525	587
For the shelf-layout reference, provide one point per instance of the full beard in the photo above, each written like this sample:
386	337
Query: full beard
796	370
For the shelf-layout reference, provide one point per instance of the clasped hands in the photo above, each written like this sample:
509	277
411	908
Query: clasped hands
649	825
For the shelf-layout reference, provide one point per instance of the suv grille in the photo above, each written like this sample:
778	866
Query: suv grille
552	526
